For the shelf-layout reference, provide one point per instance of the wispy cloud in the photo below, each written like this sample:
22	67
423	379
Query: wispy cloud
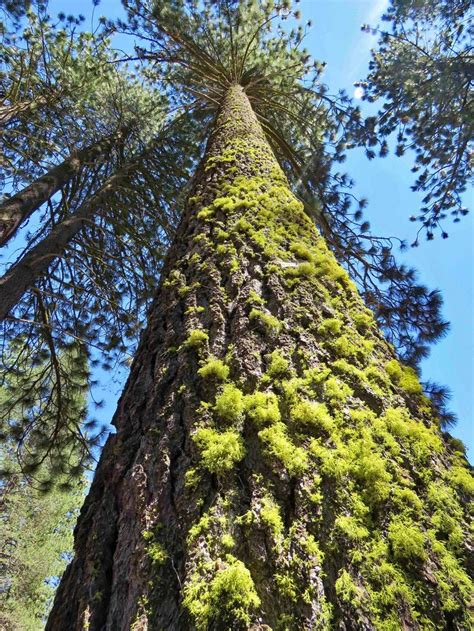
361	52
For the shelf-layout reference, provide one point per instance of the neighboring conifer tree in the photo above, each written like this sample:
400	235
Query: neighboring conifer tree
274	466
36	532
422	70
36	522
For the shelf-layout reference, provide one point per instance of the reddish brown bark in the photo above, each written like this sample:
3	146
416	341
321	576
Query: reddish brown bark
180	532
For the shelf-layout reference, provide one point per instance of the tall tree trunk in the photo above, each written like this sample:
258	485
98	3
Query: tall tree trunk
274	467
17	209
23	274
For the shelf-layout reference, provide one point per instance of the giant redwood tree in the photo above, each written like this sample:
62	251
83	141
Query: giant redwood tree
274	465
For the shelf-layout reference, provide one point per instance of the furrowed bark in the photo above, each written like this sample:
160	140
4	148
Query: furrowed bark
23	274
274	467
13	111
17	209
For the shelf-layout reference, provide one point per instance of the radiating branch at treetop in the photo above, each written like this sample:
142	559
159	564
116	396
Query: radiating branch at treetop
309	130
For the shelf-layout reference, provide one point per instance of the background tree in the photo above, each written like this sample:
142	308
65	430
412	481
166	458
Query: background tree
96	293
36	533
423	70
274	464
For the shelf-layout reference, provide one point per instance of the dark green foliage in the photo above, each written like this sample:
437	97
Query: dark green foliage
36	535
423	70
36	518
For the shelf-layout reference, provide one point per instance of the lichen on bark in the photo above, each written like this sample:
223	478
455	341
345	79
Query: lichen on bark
290	470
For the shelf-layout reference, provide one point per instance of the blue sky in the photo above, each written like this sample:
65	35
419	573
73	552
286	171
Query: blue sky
336	38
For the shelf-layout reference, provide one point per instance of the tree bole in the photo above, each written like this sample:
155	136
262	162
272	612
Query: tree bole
16	209
24	273
272	459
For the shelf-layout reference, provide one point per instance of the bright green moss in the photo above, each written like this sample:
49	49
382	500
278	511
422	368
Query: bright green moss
262	407
462	479
351	528
423	441
301	251
344	347
214	369
311	414
221	235
369	469
347	590
344	367
407	500
220	451
232	593
230	403
406	540
254	298
287	586
157	553
271	323
191	310
228	600
336	391
363	320
456	587
154	550
222	249
242	225
403	376
330	326
205	213
196	338
333	463
303	270
375	375
228	541
270	516
278	365
191	478
201	528
278	444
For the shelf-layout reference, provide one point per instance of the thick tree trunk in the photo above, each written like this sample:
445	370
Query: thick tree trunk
23	274
17	209
274	467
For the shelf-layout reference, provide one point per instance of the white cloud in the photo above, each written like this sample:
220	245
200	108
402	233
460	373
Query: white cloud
366	41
